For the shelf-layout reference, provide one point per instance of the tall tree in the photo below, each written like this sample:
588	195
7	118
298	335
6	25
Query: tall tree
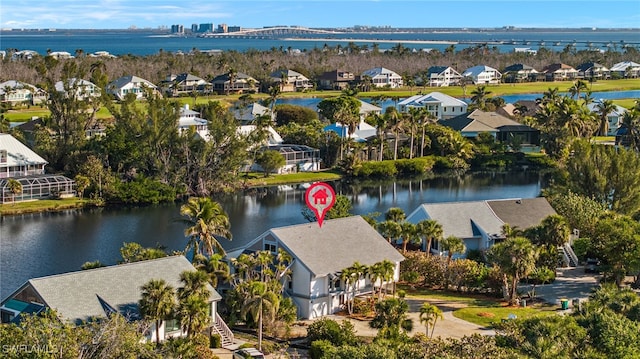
604	108
206	220
260	302
479	97
617	240
157	302
515	258
452	245
430	230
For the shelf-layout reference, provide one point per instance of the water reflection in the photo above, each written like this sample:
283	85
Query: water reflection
48	243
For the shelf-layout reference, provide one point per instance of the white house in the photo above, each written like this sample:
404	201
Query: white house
16	92
593	70
482	74
559	72
479	223
85	295
290	81
61	55
83	89
381	77
190	120
18	160
439	76
626	69
129	84
320	254
241	83
185	83
614	117
441	106
361	134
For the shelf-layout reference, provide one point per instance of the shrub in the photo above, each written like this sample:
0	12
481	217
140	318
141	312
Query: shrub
415	166
331	331
319	348
215	341
376	169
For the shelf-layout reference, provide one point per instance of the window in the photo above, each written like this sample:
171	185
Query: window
171	326
3	156
270	247
6	316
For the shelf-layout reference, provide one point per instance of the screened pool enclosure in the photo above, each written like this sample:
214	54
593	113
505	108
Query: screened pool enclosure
36	187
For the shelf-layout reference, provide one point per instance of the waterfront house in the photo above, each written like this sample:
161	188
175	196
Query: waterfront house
336	80
83	89
381	77
24	55
319	256
290	81
559	72
125	85
60	55
479	223
298	158
239	83
19	163
593	71
17	92
482	74
440	76
185	84
83	296
502	128
614	117
626	69
519	73
439	105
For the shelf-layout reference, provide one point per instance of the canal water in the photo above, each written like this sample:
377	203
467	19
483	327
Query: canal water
36	245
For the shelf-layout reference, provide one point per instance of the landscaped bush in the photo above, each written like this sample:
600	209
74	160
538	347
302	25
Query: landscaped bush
382	169
415	166
215	341
319	348
332	332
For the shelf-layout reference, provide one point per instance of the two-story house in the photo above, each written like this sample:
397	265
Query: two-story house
439	105
125	85
438	76
482	74
290	81
381	77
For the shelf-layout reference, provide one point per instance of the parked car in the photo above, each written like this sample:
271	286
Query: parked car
592	266
248	353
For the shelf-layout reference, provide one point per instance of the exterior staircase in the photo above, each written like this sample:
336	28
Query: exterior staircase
226	335
568	255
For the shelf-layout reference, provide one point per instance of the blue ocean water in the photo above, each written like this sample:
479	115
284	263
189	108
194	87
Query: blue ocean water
149	42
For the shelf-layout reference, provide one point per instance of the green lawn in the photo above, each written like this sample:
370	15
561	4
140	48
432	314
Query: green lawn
258	180
422	293
487	316
43	205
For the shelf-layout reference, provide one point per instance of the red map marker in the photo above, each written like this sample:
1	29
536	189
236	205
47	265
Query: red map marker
320	197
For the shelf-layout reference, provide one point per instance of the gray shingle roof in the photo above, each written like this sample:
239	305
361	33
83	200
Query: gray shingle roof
336	245
522	213
75	295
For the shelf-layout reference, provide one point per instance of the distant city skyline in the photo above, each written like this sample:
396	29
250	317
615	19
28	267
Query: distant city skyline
121	14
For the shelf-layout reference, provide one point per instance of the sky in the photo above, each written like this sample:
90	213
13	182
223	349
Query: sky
122	14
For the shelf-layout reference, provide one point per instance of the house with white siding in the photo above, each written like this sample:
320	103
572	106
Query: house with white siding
319	256
381	77
482	74
441	106
83	89
440	76
18	92
559	72
290	81
626	69
125	85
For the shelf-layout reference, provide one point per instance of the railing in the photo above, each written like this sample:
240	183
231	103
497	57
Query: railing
571	254
224	331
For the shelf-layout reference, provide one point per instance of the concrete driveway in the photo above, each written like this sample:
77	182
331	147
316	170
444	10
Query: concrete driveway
570	283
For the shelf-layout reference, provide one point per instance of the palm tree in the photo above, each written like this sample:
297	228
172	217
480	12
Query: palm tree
380	123
206	220
479	97
231	74
516	258
395	122
452	245
389	230
14	187
375	274
215	267
359	270
604	108
395	214
409	234
194	283
429	315
347	276
387	271
260	301
429	229
577	87
193	312
157	302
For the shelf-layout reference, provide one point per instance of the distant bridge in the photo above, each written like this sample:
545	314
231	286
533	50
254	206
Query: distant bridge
275	31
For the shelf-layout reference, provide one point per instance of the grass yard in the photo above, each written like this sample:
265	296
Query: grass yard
45	205
487	316
256	179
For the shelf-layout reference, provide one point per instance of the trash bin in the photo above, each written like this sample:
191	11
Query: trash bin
564	303
524	303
